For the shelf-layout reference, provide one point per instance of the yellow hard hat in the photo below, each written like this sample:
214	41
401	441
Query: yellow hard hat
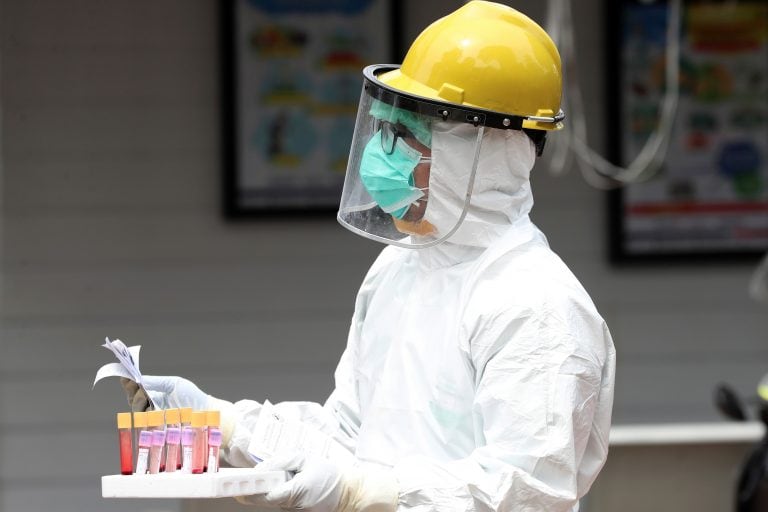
486	56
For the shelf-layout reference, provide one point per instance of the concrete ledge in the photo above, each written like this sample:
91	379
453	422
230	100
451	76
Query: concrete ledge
686	433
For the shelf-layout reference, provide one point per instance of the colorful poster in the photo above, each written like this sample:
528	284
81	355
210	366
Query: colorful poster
297	77
711	195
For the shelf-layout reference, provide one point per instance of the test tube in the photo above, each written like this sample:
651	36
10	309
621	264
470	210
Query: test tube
172	440
145	443
156	452
187	442
139	425
173	446
125	438
186	416
205	447
200	442
156	423
214	440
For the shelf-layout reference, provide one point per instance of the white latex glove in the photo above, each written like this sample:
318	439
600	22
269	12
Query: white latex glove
170	392
322	486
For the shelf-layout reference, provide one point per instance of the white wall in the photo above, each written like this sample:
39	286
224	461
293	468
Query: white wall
110	153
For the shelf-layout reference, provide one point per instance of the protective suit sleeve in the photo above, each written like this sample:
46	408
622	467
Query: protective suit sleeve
541	422
239	422
339	417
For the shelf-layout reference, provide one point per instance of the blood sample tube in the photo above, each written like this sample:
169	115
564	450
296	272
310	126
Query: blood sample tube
172	440
173	446
214	440
205	448
125	437
156	451
187	442
145	443
186	416
199	444
156	422
139	424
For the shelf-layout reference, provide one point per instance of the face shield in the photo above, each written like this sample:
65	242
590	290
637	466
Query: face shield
413	162
390	178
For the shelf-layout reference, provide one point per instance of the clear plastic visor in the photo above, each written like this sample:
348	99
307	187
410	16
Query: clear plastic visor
411	169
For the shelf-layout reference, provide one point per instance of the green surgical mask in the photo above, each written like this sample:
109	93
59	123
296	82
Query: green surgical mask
389	178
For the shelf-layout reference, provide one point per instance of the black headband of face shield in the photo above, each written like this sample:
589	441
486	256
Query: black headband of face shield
437	110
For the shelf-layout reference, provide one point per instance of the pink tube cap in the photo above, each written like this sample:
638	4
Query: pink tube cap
187	436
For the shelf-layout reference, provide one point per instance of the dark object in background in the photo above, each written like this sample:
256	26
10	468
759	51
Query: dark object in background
752	486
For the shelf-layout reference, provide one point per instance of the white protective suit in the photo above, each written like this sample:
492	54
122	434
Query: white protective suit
478	369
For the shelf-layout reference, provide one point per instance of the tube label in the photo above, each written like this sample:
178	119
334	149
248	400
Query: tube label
186	464
141	461
213	460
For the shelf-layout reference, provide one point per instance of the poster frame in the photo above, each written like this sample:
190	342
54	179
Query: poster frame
234	200
618	233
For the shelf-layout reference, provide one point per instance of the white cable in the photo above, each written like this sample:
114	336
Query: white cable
597	170
758	284
559	154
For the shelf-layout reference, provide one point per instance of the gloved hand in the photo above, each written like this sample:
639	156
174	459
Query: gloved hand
166	393
322	486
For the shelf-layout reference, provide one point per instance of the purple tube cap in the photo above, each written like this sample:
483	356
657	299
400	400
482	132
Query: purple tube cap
158	437
214	437
173	435
145	438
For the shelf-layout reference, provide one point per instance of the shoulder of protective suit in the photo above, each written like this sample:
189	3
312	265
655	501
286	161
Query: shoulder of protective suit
529	281
530	295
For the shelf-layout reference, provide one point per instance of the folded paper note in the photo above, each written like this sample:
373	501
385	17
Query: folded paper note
128	365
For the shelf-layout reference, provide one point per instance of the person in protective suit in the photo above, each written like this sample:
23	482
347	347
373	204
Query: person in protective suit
478	374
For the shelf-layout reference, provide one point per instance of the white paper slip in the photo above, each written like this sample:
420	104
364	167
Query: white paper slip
226	483
275	435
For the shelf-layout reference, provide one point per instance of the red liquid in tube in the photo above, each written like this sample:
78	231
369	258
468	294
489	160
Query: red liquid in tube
200	443
125	437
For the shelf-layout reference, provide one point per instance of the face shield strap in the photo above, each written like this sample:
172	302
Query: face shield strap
427	108
467	199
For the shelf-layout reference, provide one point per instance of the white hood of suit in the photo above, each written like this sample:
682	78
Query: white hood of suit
501	195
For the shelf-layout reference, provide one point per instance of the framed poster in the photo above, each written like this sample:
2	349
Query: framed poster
710	198
292	77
